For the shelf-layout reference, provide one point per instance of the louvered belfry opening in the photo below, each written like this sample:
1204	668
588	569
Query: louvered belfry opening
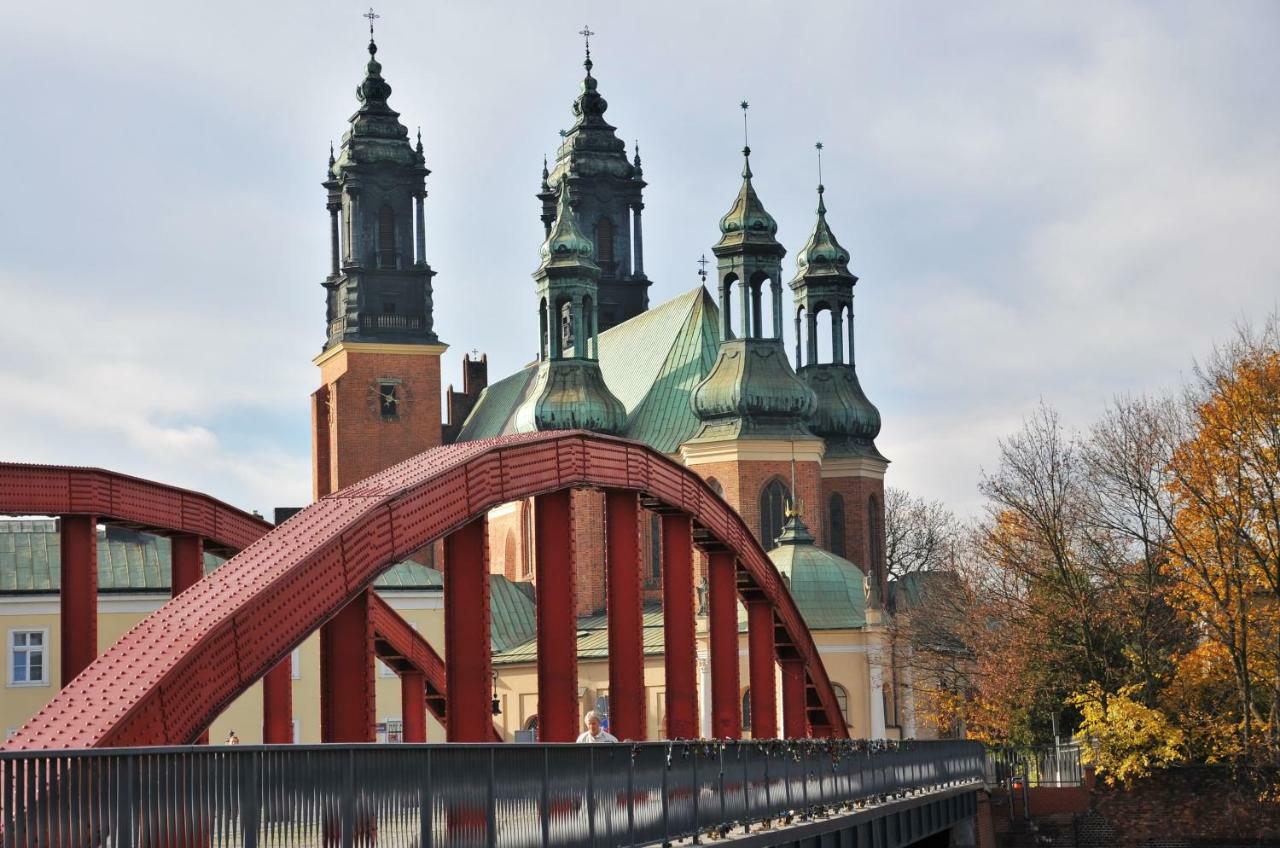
387	238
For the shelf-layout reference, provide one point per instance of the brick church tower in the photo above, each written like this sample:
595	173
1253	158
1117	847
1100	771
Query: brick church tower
379	397
753	441
852	506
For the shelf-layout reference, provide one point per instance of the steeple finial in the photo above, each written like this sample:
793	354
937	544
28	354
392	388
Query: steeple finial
702	268
546	186
372	16
331	159
822	207
746	147
586	34
419	148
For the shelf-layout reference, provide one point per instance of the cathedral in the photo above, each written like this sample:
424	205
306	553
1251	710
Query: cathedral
705	378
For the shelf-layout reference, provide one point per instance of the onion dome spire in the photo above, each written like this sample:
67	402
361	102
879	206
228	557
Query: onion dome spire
747	223
845	417
565	245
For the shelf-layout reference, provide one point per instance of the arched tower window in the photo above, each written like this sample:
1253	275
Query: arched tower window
835	524
509	556
773	508
386	237
604	240
875	541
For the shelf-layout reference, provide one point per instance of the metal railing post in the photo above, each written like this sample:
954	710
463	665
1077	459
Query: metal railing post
347	804
631	798
591	795
546	797
666	821
426	808
490	808
250	798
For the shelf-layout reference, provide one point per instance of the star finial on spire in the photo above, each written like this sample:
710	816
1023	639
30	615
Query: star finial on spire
586	34
746	148
702	268
822	207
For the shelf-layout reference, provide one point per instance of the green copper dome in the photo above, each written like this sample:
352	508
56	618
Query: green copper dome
844	417
565	245
376	134
747	221
822	255
752	391
570	394
829	590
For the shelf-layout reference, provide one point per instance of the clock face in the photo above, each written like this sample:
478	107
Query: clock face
389	398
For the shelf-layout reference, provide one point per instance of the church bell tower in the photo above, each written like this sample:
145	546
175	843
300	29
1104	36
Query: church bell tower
379	397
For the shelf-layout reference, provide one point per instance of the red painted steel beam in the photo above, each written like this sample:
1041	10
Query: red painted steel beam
624	603
277	703
468	664
764	692
556	619
187	561
78	597
118	498
679	646
402	648
413	706
346	674
795	722
171	675
726	707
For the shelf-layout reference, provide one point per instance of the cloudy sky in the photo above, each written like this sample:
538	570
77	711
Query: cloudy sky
1057	201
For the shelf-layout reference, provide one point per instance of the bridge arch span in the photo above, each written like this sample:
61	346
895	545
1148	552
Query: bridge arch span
170	675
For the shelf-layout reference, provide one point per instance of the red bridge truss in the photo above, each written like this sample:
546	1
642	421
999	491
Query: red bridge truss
166	679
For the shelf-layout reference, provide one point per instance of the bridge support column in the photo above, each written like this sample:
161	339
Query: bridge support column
557	622
277	704
795	722
627	718
413	706
678	627
186	569
468	664
78	619
764	692
726	711
346	674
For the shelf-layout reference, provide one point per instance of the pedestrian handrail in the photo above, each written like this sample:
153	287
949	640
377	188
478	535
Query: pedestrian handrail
417	796
1038	765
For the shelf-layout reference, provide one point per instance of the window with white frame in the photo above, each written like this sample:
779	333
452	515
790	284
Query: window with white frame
295	664
29	657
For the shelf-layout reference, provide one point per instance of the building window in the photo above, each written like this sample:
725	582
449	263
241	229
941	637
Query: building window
604	240
842	698
774	498
746	708
390	730
835	525
386	237
295	663
28	657
875	545
509	555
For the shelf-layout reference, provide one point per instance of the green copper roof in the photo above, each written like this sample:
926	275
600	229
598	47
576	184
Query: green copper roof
31	559
651	364
829	590
593	640
511	613
752	391
844	417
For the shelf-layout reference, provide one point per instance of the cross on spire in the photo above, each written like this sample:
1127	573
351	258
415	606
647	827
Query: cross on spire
586	34
372	16
702	268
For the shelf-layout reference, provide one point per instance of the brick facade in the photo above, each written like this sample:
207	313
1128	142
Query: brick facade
361	440
861	496
742	481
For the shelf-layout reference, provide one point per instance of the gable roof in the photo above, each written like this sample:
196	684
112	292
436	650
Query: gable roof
651	363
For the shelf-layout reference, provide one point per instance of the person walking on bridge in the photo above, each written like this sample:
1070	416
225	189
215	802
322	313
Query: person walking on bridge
594	732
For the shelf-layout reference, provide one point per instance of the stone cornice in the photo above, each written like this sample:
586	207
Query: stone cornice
753	450
381	347
854	466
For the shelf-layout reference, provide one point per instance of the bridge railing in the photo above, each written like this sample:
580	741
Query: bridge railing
450	795
1042	765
